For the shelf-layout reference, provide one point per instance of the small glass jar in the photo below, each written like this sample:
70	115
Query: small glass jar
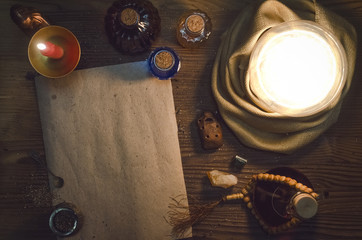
302	206
28	19
164	63
193	29
65	220
132	25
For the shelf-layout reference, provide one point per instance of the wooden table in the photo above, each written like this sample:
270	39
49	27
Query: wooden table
333	162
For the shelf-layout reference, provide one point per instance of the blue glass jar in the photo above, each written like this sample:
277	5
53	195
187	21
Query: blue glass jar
164	63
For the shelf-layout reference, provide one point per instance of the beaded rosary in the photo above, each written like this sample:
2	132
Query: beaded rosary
182	217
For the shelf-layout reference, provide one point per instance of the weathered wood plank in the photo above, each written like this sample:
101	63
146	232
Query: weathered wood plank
333	162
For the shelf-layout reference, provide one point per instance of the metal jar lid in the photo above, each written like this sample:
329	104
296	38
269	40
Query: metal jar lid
66	218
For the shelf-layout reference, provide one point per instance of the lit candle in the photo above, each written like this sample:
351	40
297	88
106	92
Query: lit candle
50	50
297	70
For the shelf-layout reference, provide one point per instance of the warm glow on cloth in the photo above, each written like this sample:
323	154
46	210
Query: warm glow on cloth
249	110
291	75
297	69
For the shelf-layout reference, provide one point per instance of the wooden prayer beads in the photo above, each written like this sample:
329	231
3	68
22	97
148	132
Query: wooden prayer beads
245	195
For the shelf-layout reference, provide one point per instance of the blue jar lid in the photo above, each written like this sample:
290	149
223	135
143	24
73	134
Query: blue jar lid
164	63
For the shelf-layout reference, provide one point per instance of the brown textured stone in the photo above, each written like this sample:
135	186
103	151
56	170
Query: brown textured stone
210	131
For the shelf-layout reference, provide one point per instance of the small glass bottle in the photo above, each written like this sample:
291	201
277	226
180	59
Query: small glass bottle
164	63
28	19
193	29
132	25
278	203
65	220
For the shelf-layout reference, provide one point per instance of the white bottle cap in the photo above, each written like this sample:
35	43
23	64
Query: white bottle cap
305	205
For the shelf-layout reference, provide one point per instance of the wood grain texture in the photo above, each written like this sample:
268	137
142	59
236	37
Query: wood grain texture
24	197
333	162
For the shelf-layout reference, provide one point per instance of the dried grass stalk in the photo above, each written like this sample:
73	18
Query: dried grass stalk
182	217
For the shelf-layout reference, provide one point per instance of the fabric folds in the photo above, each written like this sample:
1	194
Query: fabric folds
253	126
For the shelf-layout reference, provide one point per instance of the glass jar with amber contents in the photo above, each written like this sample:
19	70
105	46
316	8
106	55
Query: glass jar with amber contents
193	29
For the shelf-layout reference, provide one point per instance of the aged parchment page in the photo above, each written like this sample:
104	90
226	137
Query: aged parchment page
111	133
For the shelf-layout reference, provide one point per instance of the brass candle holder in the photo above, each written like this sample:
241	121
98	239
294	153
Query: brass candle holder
53	51
50	66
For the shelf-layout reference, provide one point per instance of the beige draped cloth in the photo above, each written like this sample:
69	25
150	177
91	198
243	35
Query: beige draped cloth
253	126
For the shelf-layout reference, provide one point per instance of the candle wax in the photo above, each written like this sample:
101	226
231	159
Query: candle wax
51	50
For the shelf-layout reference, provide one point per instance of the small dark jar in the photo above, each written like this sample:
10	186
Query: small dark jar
65	220
131	25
